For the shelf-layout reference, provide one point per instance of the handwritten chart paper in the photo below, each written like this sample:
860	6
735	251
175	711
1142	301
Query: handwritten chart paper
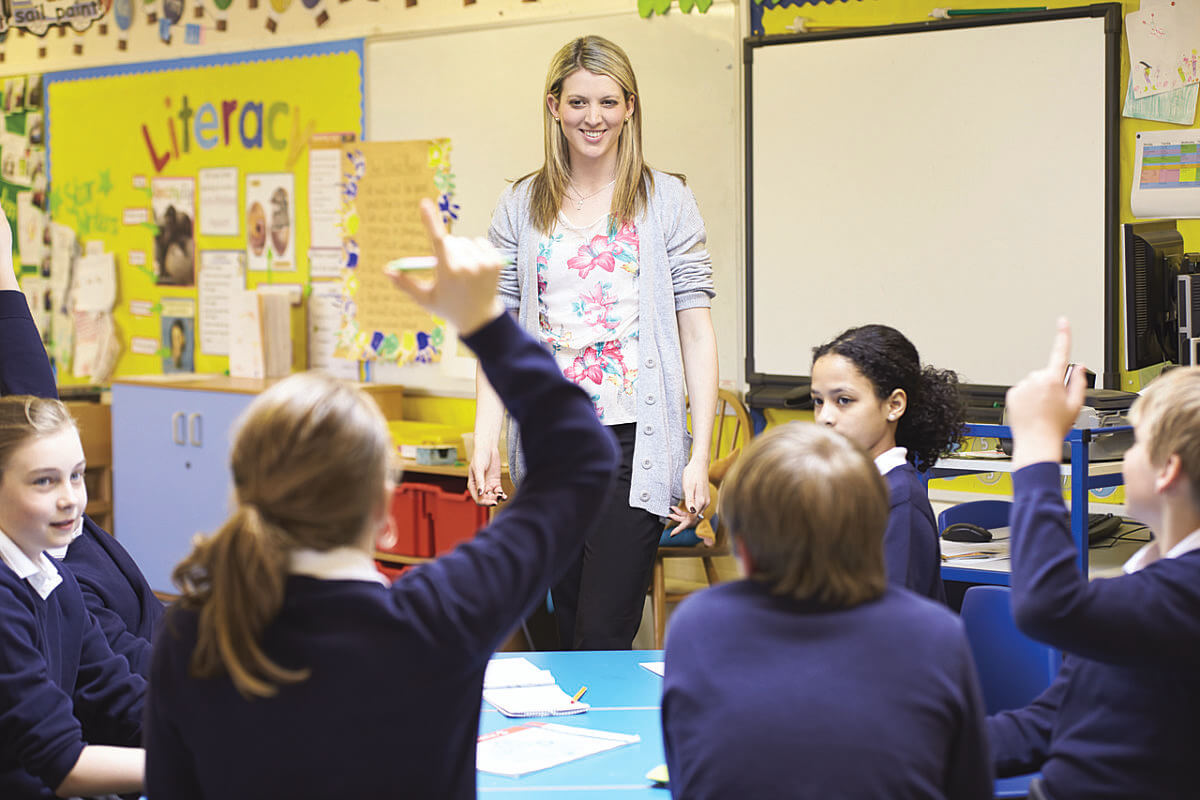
382	183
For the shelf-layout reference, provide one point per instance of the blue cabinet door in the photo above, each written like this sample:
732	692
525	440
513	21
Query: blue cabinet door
171	475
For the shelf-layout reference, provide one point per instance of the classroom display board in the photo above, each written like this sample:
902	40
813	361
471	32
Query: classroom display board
483	89
955	180
382	183
192	178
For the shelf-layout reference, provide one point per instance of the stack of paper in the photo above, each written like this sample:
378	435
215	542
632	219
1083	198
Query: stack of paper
517	688
537	745
534	701
505	673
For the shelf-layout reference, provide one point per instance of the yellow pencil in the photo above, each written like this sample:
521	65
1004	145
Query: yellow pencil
579	694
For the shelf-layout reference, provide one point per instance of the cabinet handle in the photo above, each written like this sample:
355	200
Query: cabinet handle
195	430
177	432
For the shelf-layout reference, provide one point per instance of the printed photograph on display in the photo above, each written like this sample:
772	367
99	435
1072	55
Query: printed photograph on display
173	202
270	221
178	344
14	94
33	92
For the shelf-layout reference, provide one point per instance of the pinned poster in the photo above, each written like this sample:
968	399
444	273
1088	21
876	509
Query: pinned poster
1166	174
1164	47
173	201
382	184
271	221
222	274
94	283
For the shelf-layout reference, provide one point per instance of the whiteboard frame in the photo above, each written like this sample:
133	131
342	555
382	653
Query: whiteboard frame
789	389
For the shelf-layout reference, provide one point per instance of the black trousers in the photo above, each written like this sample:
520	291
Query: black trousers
598	602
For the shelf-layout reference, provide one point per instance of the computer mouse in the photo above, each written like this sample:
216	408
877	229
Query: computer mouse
966	532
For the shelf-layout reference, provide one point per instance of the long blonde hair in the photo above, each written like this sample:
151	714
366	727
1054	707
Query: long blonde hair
548	185
310	461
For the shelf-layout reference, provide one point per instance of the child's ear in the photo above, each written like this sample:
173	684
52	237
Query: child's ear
1171	474
897	404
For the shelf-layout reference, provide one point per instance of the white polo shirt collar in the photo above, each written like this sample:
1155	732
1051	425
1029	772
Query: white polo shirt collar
888	460
337	564
1149	553
41	573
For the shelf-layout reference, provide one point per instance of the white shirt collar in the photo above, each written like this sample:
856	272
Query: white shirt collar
888	460
41	573
337	564
1149	554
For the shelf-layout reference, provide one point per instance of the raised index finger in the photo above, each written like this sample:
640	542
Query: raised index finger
435	228
1060	351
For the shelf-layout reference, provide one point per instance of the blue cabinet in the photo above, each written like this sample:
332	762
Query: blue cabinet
171	475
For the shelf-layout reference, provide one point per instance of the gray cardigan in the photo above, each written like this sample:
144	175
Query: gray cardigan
674	273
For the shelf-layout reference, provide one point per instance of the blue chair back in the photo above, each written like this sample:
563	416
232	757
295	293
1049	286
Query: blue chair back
985	513
1013	669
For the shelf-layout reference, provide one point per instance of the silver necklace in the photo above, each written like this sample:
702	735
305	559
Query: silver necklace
579	200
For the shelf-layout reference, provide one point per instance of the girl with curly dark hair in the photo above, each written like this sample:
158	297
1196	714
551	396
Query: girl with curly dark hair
869	385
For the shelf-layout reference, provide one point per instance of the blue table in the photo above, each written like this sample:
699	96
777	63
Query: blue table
624	698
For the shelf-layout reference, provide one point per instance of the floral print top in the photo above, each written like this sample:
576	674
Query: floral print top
588	311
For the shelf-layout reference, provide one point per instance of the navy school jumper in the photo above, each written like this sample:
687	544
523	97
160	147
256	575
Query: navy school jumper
113	587
1122	719
58	678
392	704
767	696
911	552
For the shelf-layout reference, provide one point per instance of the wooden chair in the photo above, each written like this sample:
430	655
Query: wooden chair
731	431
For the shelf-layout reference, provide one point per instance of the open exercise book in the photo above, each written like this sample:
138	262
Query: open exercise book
533	746
517	688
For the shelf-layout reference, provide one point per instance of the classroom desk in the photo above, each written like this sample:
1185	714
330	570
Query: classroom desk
625	698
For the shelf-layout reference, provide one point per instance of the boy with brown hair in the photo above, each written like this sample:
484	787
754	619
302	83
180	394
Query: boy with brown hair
814	677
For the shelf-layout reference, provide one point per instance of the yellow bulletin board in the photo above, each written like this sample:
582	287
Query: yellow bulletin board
144	156
382	183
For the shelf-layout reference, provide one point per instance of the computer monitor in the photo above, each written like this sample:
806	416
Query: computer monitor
1152	254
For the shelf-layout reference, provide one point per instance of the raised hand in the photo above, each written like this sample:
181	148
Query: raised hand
463	289
1041	409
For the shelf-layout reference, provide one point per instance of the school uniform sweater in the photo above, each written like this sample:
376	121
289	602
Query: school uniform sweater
1122	718
391	706
911	553
771	697
113	587
57	676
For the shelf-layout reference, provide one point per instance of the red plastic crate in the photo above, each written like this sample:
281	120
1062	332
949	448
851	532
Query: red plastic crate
410	533
454	518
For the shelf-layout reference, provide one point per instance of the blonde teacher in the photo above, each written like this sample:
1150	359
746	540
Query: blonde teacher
609	270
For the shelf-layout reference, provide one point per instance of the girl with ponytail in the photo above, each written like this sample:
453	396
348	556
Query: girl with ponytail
289	668
869	385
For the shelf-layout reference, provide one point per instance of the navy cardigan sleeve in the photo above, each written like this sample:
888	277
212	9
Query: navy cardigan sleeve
116	593
1147	618
1020	739
24	367
485	586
